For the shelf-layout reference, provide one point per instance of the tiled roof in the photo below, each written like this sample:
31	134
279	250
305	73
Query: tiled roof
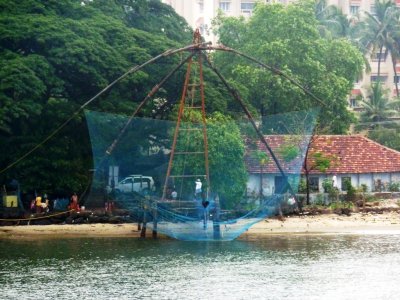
348	154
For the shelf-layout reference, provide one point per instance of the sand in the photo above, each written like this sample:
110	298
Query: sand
356	223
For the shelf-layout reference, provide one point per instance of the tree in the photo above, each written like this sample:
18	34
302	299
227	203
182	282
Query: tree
315	160
279	36
228	175
377	107
55	55
300	146
389	137
376	31
332	22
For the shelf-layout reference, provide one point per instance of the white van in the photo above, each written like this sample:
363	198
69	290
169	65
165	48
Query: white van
134	183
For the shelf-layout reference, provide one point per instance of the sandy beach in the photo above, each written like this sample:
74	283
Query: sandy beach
356	223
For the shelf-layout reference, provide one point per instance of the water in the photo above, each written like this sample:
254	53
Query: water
288	267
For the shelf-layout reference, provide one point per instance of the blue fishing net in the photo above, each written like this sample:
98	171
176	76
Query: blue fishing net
244	184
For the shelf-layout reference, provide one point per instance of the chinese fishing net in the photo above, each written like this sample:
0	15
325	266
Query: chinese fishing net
244	186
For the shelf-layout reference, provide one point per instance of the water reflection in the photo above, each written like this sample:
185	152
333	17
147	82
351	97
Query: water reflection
297	267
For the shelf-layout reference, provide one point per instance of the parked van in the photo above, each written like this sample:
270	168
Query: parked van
134	183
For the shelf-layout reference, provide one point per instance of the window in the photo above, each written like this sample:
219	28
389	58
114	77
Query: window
378	55
201	6
225	6
396	79
127	181
372	10
314	184
381	79
353	102
346	182
354	9
247	7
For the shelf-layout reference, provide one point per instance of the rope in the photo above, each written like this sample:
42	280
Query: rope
37	218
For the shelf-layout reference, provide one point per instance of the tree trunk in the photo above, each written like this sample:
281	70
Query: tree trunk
261	180
379	64
395	75
307	174
307	187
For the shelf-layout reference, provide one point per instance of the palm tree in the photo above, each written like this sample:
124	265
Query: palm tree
376	31
332	22
377	107
393	46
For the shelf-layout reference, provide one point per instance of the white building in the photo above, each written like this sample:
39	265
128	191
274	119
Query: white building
200	13
354	158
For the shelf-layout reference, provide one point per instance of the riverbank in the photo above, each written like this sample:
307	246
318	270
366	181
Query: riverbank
356	223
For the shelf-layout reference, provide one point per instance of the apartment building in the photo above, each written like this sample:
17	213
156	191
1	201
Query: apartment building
387	74
200	13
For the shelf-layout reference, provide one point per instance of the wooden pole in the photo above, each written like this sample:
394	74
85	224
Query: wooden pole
143	231
155	216
216	219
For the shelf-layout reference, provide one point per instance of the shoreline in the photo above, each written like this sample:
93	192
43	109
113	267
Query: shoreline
356	223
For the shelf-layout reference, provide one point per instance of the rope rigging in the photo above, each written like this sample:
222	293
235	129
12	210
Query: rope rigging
184	147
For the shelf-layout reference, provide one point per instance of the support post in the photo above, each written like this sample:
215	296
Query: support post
216	219
143	231
155	217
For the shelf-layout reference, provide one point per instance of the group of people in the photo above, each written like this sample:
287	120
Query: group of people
42	204
198	193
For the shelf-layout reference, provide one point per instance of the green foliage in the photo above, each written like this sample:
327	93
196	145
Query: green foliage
389	137
340	205
371	198
261	156
364	188
378	31
321	161
320	200
333	193
377	107
302	185
327	185
394	187
228	175
289	152
351	191
56	55
278	35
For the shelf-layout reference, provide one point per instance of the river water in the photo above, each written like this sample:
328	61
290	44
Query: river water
276	267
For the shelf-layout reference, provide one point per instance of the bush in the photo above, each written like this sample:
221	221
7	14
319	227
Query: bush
351	191
327	184
302	185
363	188
333	193
394	187
320	201
370	198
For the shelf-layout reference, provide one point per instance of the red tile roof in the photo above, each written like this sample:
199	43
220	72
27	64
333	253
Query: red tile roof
349	154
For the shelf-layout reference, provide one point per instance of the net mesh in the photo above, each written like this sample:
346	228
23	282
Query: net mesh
244	186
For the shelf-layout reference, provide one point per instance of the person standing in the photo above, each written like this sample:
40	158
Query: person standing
74	202
198	190
174	194
38	203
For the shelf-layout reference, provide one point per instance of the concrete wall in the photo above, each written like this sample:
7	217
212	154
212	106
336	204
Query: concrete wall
253	184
